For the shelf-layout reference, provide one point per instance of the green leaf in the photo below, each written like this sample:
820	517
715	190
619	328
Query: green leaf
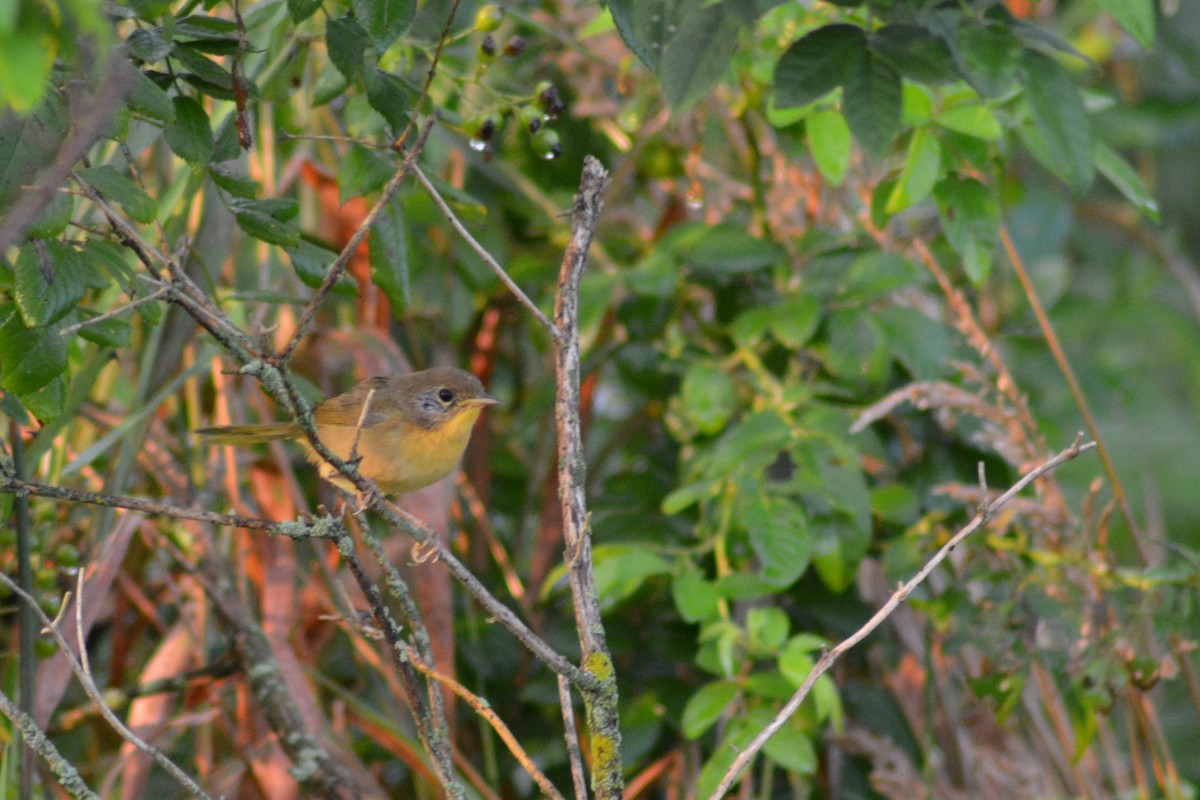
921	344
685	497
347	42
1121	174
647	26
973	120
857	350
778	530
362	172
50	281
30	357
970	219
384	20
236	183
301	10
147	44
149	99
818	63
794	321
312	264
123	190
989	55
792	749
111	332
1135	16
696	599
190	135
390	96
389	255
915	53
1060	119
262	220
697	55
708	397
766	629
621	571
919	173
871	101
25	62
54	217
205	74
706	706
728	250
895	503
28	143
756	440
829	143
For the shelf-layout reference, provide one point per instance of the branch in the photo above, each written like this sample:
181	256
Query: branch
901	594
343	259
33	736
482	252
600	703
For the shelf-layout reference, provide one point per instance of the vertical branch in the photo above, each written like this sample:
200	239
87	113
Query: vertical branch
600	703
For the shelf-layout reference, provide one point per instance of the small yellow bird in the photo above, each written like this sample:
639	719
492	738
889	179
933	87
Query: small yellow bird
410	430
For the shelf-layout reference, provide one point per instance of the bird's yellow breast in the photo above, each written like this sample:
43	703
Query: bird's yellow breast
402	456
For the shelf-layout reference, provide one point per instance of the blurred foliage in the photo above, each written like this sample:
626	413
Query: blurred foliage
802	335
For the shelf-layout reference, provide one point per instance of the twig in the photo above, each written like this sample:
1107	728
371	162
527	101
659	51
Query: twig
343	259
68	778
1064	367
89	686
433	65
828	658
600	703
482	252
484	709
158	294
574	754
12	485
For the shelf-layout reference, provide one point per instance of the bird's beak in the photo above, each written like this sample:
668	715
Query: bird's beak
482	400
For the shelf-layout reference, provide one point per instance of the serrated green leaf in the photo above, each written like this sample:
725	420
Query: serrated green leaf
389	247
816	64
30	358
1135	16
236	183
919	173
646	26
708	397
916	53
362	172
54	218
989	53
110	332
261	219
190	135
706	706
697	55
148	45
312	264
871	101
49	281
1121	174
212	77
390	96
121	189
1060	119
347	42
384	20
829	143
149	99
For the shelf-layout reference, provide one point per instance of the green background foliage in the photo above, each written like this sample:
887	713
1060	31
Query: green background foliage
802	333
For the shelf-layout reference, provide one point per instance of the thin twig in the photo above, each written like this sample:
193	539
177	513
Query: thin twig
89	686
11	485
343	260
828	658
158	294
574	754
433	65
68	778
1064	367
483	253
484	709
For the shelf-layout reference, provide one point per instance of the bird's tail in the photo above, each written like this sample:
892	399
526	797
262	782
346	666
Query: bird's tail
248	434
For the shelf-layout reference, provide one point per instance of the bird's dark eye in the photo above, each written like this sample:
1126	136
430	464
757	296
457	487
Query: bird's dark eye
445	395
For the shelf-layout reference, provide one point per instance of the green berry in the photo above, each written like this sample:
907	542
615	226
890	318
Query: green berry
545	143
488	18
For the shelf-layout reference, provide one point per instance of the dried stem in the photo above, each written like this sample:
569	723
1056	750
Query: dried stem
600	702
901	594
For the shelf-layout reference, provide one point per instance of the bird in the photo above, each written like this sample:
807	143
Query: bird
409	431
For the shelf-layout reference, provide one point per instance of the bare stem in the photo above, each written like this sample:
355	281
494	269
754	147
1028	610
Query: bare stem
828	658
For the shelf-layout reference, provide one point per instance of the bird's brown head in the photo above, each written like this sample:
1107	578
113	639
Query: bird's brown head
433	397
